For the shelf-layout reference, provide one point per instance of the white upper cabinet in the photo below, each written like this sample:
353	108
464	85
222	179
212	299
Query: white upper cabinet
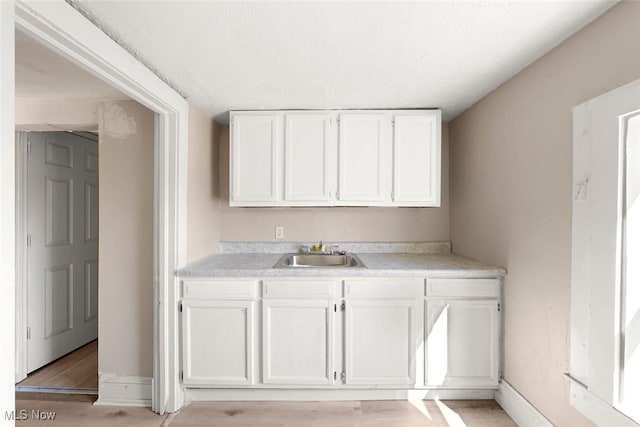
335	158
309	158
364	159
256	141
416	159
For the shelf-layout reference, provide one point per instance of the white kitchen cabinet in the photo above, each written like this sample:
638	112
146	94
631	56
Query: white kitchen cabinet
383	331
335	158
297	341
255	170
462	343
309	158
364	159
416	158
381	341
218	342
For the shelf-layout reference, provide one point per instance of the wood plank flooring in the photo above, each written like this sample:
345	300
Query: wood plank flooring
78	369
467	413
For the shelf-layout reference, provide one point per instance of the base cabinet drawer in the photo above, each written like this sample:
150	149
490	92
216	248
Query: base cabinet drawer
462	343
218	342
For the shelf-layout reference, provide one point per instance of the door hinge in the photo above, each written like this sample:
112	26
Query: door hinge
180	307
335	375
343	307
28	240
498	306
181	375
335	309
343	376
28	147
28	332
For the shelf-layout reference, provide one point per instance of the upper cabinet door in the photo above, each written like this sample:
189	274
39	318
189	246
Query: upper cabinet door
256	141
364	159
310	158
416	159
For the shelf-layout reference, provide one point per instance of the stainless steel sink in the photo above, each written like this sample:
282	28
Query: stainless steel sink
319	261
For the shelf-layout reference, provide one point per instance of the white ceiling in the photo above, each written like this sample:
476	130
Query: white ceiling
42	73
226	55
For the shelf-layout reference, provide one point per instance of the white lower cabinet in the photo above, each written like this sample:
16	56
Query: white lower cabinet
380	341
297	341
462	335
305	333
218	342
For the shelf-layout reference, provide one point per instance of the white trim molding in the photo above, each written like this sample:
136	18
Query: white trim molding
61	28
7	210
518	408
329	394
597	410
114	390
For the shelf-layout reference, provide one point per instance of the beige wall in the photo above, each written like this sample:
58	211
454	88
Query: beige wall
125	288
511	195
35	114
334	224
203	186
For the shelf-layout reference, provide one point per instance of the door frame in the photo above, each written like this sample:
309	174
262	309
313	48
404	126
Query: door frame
66	31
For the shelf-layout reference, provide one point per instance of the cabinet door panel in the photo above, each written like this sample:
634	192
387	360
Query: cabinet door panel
462	343
380	338
217	343
297	342
416	158
309	157
255	144
364	158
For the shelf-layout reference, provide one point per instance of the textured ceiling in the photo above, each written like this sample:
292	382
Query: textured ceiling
42	73
226	55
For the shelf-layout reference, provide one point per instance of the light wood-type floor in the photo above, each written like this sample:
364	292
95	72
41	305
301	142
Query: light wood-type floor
271	414
78	369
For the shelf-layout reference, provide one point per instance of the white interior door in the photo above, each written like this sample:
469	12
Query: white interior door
62	254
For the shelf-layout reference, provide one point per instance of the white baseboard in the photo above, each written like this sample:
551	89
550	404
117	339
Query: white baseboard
114	390
305	395
517	407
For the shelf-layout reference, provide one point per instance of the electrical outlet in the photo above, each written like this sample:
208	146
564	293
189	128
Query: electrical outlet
279	231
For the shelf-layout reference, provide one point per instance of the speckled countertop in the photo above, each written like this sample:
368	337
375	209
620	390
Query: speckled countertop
433	260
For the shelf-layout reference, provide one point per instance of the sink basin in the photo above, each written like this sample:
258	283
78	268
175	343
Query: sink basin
319	261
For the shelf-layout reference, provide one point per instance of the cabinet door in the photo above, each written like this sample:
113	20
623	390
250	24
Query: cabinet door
217	345
254	152
310	158
416	159
364	158
381	341
462	343
297	342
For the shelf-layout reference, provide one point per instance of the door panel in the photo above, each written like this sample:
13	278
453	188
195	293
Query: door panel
309	157
254	151
218	342
416	158
62	259
297	342
364	158
381	341
455	330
